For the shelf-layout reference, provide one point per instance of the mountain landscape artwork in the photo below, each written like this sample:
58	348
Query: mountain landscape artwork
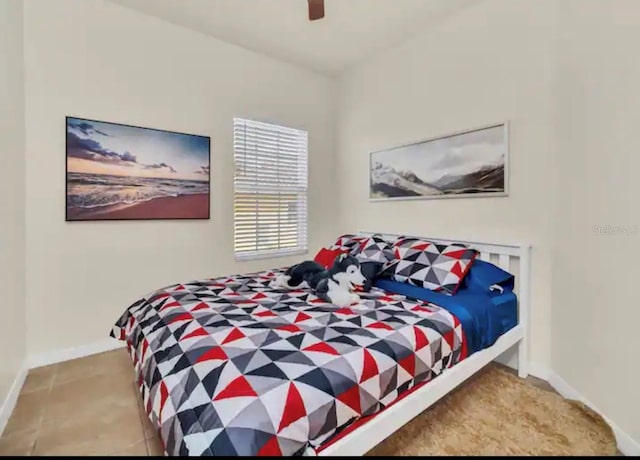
122	172
463	164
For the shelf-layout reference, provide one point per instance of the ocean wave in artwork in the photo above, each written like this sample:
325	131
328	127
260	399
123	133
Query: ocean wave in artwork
95	190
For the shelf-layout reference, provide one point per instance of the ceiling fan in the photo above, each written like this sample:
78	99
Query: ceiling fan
316	9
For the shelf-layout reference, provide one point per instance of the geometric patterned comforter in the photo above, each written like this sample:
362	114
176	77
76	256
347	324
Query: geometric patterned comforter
231	366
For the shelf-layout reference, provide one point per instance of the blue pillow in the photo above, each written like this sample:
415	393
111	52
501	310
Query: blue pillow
483	275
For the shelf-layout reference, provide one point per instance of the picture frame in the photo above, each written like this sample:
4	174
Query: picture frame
469	163
117	171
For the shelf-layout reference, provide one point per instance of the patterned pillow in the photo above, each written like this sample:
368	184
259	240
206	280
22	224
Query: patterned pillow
350	242
422	263
376	249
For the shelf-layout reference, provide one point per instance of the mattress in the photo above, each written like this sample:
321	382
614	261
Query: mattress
232	366
485	313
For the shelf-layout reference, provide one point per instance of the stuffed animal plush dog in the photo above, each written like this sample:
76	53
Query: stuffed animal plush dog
334	285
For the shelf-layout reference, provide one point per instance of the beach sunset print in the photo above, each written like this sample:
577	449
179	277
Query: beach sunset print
121	172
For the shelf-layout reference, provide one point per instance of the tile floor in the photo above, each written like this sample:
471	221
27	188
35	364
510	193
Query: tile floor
88	406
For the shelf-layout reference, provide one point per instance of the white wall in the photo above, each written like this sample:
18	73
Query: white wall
565	75
490	63
102	61
595	314
12	313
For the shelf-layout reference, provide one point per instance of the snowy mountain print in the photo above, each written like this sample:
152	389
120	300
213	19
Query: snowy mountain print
468	163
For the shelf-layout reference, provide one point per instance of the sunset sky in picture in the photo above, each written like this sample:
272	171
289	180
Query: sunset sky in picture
103	148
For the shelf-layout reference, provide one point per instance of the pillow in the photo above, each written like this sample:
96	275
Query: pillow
484	276
422	263
326	256
376	249
350	242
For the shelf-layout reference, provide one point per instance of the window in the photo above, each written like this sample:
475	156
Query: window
270	190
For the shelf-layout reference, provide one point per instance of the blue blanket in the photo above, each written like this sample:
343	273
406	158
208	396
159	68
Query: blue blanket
485	315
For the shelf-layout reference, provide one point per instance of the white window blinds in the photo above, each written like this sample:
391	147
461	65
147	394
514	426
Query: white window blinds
270	196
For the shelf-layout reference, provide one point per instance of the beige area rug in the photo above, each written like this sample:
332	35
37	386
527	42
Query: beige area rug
496	413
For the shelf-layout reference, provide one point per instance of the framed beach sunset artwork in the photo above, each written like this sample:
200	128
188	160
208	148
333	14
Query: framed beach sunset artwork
122	172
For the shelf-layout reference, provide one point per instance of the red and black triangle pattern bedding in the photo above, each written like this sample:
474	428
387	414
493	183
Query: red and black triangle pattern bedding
422	263
231	366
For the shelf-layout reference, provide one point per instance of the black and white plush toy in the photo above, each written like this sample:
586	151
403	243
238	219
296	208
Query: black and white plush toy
335	285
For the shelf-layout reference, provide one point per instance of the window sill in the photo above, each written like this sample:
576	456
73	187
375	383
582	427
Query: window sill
269	255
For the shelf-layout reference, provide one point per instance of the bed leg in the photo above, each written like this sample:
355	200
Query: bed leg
523	361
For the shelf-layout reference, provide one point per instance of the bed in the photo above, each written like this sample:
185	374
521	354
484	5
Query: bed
231	366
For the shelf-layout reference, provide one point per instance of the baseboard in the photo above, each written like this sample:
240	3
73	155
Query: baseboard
626	444
66	354
12	398
539	371
534	369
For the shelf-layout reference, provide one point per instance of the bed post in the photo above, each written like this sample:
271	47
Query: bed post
524	309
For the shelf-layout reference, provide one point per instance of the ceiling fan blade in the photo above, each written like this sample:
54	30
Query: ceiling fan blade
316	9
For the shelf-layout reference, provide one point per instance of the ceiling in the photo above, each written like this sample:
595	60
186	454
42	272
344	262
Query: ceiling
351	30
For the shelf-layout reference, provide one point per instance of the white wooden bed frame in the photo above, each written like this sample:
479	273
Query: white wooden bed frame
367	436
